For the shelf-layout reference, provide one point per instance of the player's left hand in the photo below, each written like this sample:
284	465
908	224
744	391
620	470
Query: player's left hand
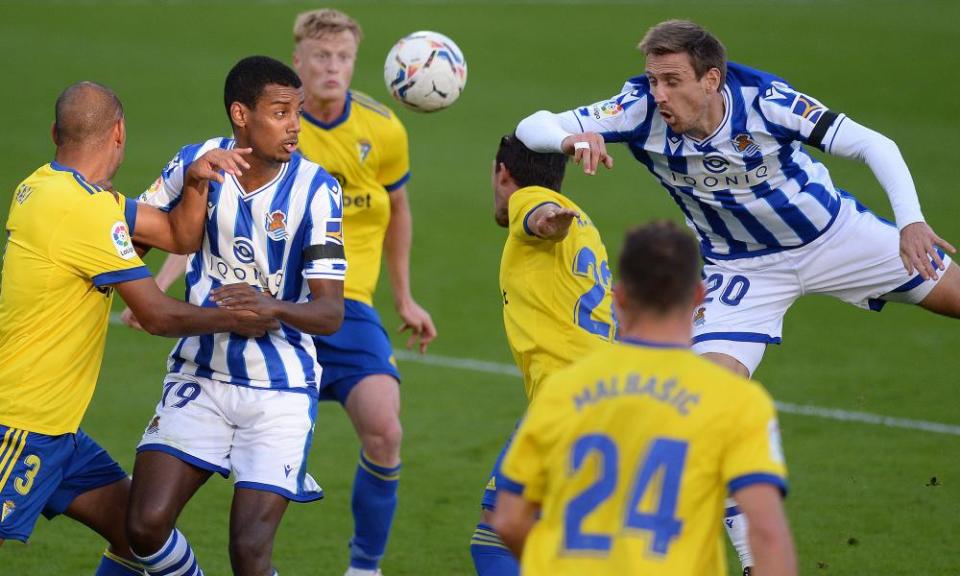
419	322
918	250
243	296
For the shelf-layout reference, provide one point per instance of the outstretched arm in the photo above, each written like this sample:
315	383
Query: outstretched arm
545	131
181	230
551	221
397	244
918	242
163	316
173	267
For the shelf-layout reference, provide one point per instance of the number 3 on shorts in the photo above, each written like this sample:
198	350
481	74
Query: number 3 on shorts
732	294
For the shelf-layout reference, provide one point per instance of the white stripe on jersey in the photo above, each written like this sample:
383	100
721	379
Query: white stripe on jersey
750	188
258	238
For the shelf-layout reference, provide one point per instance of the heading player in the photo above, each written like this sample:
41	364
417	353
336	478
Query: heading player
233	404
555	285
727	143
70	245
622	463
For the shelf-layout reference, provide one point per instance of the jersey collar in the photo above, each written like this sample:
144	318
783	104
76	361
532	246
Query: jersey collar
336	122
650	344
77	176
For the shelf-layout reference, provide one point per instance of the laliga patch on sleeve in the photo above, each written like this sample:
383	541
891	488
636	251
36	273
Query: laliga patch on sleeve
121	241
776	446
606	109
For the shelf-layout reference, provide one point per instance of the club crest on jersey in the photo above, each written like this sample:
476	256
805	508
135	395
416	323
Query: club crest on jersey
744	144
364	146
121	241
700	318
154	425
23	192
276	225
8	508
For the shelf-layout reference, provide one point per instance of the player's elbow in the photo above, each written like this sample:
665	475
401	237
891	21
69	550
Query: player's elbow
329	319
530	129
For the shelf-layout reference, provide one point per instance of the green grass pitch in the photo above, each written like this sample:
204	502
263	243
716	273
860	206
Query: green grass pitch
863	500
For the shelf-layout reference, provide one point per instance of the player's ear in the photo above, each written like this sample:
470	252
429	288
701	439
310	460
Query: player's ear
120	132
53	133
238	114
712	78
619	300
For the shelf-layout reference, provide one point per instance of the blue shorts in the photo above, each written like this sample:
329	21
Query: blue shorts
489	501
359	349
42	474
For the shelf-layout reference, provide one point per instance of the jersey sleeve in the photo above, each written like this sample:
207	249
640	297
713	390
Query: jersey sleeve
617	118
521	205
165	191
94	241
323	254
394	168
796	116
754	453
525	468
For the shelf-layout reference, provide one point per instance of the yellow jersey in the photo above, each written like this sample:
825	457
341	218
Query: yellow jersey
68	241
630	453
557	306
366	150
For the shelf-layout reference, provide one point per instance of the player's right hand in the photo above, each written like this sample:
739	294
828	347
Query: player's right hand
588	149
253	325
209	166
918	250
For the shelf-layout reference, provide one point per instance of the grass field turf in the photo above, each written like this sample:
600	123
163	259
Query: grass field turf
862	500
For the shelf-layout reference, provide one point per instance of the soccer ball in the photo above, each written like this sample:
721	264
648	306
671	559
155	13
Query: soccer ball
425	71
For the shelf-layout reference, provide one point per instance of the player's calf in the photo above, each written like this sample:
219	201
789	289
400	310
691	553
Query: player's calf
254	519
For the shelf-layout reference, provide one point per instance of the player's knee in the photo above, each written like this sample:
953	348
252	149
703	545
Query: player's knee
382	444
148	528
250	550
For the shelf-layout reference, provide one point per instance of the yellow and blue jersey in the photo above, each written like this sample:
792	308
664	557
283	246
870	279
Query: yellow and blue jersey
68	241
366	150
557	306
631	453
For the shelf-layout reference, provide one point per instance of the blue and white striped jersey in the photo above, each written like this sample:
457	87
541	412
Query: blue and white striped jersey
272	238
750	188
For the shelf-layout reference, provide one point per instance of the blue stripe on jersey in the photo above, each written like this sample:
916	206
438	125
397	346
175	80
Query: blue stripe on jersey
296	338
236	363
206	344
275	370
281	202
130	215
213	240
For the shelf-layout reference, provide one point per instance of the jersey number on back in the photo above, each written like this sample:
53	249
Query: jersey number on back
585	264
661	472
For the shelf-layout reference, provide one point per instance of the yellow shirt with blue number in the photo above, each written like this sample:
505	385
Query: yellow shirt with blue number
631	453
366	150
557	306
68	241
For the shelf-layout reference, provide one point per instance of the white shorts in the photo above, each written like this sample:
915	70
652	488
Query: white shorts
856	260
262	436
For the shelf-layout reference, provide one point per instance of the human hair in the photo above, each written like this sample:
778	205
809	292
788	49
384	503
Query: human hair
84	113
659	267
318	23
248	77
529	168
683	36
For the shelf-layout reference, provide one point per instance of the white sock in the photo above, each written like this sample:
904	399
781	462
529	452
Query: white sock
175	558
736	525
